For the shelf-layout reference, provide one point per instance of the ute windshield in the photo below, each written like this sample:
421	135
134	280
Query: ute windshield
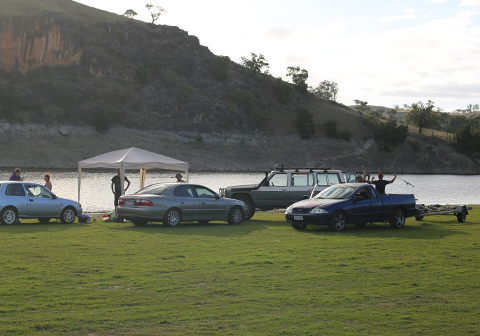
155	189
336	192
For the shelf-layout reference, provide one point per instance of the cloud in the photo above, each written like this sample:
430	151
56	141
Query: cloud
438	1
397	17
280	32
471	3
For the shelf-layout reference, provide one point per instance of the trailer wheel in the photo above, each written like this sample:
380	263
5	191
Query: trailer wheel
398	219
462	217
419	218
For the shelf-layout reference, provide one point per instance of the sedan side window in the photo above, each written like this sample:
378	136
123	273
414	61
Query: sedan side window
204	193
15	190
38	191
184	191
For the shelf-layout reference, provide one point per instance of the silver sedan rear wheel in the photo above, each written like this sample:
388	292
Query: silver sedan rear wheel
8	216
172	217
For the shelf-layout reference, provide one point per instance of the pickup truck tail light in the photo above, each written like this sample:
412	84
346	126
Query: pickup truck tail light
136	202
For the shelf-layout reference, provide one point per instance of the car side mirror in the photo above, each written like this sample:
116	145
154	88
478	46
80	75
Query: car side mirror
54	197
359	198
217	196
305	197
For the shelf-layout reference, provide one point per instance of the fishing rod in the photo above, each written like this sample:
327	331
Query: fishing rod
406	182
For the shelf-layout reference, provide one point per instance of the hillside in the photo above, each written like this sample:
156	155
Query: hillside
63	64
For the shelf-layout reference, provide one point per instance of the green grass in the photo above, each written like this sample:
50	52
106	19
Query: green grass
258	278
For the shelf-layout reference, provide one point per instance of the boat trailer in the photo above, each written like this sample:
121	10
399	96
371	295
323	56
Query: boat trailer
461	211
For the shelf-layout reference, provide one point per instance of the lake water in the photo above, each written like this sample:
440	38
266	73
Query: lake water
96	194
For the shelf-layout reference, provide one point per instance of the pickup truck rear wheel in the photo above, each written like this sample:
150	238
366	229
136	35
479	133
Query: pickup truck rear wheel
398	219
299	226
251	209
338	221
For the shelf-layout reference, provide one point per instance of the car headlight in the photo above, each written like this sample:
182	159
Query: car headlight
289	209
319	211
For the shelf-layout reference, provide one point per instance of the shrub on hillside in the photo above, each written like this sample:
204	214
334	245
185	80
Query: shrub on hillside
244	99
304	124
330	129
142	74
283	91
220	67
101	122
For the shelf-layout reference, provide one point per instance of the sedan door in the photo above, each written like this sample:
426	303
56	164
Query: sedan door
211	206
15	195
41	202
187	202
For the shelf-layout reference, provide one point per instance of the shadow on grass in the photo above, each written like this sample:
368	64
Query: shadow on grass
383	230
214	228
32	226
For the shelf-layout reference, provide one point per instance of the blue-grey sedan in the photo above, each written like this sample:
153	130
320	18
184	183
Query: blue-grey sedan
31	200
173	203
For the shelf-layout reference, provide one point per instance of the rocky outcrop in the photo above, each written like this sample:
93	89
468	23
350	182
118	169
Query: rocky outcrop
26	43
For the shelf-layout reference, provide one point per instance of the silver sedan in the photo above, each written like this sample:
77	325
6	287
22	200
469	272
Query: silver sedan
31	200
172	203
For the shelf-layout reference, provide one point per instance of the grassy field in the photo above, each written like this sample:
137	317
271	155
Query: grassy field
258	278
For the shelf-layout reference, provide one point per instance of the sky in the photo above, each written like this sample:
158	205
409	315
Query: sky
385	52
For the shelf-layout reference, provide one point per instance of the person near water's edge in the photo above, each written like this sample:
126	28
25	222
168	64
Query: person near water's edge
381	183
117	188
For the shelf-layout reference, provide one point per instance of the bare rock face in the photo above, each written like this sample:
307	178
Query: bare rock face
26	43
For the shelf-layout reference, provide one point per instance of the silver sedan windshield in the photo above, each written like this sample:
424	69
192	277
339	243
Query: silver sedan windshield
336	192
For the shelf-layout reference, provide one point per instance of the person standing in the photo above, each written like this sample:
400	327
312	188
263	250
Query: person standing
48	181
117	188
381	183
16	175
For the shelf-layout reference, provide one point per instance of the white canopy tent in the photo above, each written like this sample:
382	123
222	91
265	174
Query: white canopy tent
131	158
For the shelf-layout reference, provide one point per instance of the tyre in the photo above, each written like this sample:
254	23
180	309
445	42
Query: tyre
462	217
338	221
299	226
251	209
203	222
44	220
172	217
235	216
8	216
398	219
419	218
139	222
68	215
360	225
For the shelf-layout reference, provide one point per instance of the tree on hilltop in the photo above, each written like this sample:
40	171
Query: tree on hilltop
257	64
362	106
422	115
130	13
155	11
326	89
299	78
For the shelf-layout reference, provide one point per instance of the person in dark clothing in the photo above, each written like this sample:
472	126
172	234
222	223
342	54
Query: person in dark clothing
117	188
381	183
16	175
